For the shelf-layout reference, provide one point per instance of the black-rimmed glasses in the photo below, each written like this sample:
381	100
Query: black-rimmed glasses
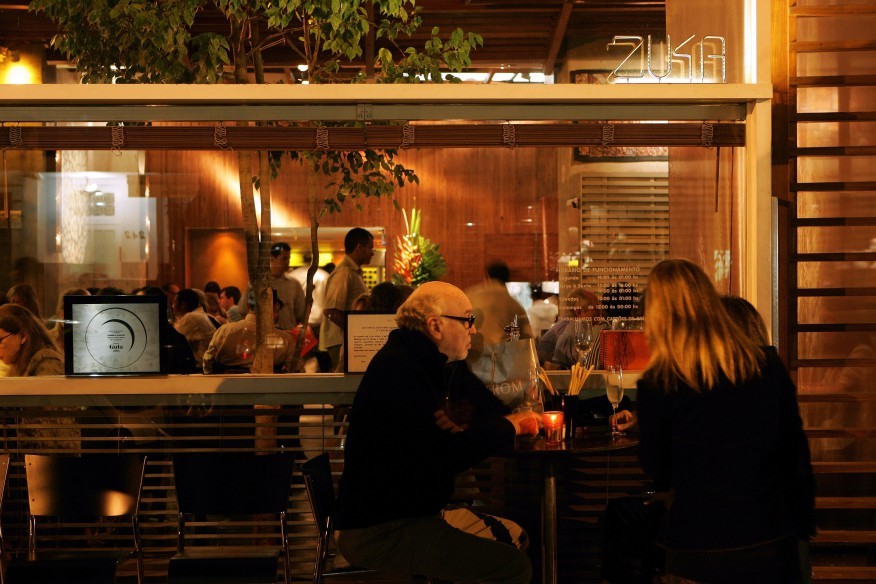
468	321
4	337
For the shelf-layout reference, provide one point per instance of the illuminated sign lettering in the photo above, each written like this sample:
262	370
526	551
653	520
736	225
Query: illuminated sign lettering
711	49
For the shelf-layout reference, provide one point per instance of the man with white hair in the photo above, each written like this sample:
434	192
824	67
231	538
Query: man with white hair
404	451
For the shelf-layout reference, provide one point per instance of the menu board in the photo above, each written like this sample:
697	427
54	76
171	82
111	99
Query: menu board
114	335
617	287
365	335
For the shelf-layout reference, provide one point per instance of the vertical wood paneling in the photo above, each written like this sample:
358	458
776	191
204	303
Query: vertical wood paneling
499	191
699	217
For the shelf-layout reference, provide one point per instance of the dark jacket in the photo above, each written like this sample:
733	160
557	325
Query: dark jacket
397	462
736	458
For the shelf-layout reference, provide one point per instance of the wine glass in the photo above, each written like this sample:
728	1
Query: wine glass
584	338
532	392
614	390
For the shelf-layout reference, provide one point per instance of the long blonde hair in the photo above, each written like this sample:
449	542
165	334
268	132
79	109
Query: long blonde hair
691	336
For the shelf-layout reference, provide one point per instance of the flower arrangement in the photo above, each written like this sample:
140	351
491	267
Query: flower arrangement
417	260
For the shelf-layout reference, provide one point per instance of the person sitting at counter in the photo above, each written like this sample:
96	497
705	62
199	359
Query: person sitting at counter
556	348
26	347
403	452
631	523
193	322
232	348
743	493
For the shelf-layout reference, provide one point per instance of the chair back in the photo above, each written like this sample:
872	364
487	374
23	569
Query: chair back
232	483
4	473
96	485
317	474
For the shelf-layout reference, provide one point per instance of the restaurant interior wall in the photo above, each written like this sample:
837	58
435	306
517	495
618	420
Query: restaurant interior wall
219	254
704	184
478	205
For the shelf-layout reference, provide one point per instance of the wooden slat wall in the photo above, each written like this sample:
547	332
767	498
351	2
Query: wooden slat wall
831	310
626	220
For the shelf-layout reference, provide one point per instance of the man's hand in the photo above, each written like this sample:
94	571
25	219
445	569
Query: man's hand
445	423
623	420
526	423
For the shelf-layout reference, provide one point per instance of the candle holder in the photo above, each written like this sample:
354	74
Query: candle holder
570	411
553	427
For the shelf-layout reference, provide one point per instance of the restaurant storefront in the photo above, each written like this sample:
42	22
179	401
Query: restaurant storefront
540	176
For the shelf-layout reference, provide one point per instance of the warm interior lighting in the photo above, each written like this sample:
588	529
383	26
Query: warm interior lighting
280	214
749	63
74	203
19	74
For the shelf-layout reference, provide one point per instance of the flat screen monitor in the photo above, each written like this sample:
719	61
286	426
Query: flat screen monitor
115	335
551	287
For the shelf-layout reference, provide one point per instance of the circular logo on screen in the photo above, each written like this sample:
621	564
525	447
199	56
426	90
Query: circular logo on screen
115	338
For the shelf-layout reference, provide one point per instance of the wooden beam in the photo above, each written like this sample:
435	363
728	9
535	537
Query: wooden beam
345	138
558	36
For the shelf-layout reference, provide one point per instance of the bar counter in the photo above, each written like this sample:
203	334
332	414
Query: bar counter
289	389
286	389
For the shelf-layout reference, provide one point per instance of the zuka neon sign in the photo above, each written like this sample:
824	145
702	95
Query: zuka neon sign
672	55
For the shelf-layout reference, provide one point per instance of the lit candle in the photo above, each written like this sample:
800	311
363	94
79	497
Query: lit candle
553	427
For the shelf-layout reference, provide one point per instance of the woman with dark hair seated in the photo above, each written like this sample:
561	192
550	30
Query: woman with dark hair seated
25	345
27	349
24	295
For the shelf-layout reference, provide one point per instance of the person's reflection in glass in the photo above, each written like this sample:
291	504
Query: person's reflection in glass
556	348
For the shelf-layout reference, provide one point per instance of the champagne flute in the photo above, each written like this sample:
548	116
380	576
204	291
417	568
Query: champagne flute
584	338
614	390
532	392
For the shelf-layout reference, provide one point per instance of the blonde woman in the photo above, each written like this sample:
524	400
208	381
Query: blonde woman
721	432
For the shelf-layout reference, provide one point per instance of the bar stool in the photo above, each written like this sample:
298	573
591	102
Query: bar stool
4	472
317	474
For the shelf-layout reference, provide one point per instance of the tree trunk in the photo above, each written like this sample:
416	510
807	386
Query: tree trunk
263	361
314	264
258	245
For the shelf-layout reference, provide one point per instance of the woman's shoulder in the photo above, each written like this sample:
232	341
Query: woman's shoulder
46	361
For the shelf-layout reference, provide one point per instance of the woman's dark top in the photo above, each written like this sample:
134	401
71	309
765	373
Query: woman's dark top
736	458
397	462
